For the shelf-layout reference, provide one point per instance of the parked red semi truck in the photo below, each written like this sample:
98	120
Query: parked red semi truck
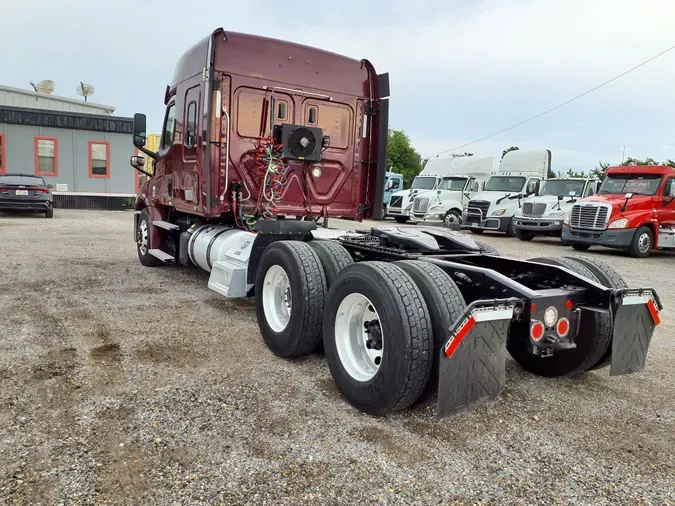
260	132
634	211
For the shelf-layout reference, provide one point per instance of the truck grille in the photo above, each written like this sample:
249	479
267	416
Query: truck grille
396	202
530	209
589	216
476	205
420	205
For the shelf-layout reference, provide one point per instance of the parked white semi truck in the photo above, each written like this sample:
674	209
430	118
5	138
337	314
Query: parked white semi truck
518	177
464	176
545	213
400	205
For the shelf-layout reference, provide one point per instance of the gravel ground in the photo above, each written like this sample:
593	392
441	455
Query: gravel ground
129	385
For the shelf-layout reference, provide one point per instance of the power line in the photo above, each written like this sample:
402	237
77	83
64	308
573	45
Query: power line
560	105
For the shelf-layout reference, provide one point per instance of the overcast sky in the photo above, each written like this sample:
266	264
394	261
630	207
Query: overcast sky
460	69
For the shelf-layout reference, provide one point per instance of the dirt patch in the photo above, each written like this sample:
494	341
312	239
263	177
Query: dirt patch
390	444
110	351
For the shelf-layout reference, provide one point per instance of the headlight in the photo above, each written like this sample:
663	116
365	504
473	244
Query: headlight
557	214
437	208
499	212
619	223
566	220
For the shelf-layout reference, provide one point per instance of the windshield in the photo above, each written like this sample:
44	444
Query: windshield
505	184
423	183
646	184
22	180
452	183
562	187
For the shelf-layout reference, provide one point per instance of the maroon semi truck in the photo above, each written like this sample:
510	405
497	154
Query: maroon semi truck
262	140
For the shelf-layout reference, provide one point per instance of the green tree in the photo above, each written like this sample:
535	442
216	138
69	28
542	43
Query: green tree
402	157
599	171
574	173
508	150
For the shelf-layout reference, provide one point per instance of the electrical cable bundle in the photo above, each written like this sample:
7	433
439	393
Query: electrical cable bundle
271	175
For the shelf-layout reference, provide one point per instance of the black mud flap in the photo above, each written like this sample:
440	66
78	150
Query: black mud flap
636	315
472	362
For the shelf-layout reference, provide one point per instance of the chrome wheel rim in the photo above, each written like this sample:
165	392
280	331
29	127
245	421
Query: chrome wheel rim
358	337
277	298
143	237
452	218
644	243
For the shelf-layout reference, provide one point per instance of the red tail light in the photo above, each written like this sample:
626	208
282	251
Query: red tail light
563	327
537	330
41	190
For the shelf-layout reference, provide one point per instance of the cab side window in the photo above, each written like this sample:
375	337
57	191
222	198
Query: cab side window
169	126
191	121
395	184
590	189
669	188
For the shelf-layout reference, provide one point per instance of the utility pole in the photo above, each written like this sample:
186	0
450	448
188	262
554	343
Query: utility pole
623	155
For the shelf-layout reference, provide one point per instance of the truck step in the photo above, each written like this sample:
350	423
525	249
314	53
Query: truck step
165	225
158	253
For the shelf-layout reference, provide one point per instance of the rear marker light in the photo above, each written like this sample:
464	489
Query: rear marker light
569	304
461	334
563	327
537	330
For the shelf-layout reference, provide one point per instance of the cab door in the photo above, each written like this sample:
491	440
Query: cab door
664	204
188	170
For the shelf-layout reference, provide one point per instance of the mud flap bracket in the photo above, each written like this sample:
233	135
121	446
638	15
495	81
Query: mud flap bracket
472	361
636	316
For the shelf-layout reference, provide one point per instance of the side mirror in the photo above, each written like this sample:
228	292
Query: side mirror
139	130
137	162
628	195
560	197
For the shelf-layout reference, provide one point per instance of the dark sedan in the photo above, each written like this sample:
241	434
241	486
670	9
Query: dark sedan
25	193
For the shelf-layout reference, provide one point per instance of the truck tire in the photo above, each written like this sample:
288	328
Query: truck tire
143	238
642	243
401	219
290	292
511	230
593	341
445	303
608	277
49	213
386	369
333	256
487	249
525	235
580	247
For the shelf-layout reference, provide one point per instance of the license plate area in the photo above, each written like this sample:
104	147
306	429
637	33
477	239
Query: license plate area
21	193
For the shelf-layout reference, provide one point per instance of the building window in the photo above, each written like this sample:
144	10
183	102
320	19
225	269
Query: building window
3	154
99	159
46	156
191	131
169	126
